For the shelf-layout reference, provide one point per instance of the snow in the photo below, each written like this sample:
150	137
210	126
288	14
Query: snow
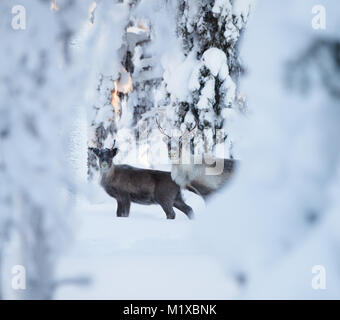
142	257
222	6
135	30
277	220
243	7
258	238
229	87
177	74
214	60
207	95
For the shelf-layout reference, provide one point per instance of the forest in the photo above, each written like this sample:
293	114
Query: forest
169	149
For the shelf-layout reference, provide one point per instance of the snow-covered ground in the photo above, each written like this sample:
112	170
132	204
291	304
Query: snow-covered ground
277	222
144	256
141	257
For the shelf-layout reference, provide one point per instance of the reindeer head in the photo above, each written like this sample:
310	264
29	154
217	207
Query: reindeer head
105	157
175	143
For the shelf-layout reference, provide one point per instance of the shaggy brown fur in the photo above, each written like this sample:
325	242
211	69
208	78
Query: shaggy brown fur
129	184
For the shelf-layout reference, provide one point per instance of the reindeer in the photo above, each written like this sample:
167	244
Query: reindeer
143	186
203	178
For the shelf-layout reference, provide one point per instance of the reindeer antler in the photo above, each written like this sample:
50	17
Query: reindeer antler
161	129
191	130
184	134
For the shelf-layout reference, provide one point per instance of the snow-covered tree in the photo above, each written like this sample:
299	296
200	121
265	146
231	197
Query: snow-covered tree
204	88
39	85
105	38
5	199
144	75
279	219
129	78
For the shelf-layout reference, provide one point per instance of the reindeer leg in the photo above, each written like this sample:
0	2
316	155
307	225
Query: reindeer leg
120	209
181	205
124	202
165	196
169	211
127	205
184	208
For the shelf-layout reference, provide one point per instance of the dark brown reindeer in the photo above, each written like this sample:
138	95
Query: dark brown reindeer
143	186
